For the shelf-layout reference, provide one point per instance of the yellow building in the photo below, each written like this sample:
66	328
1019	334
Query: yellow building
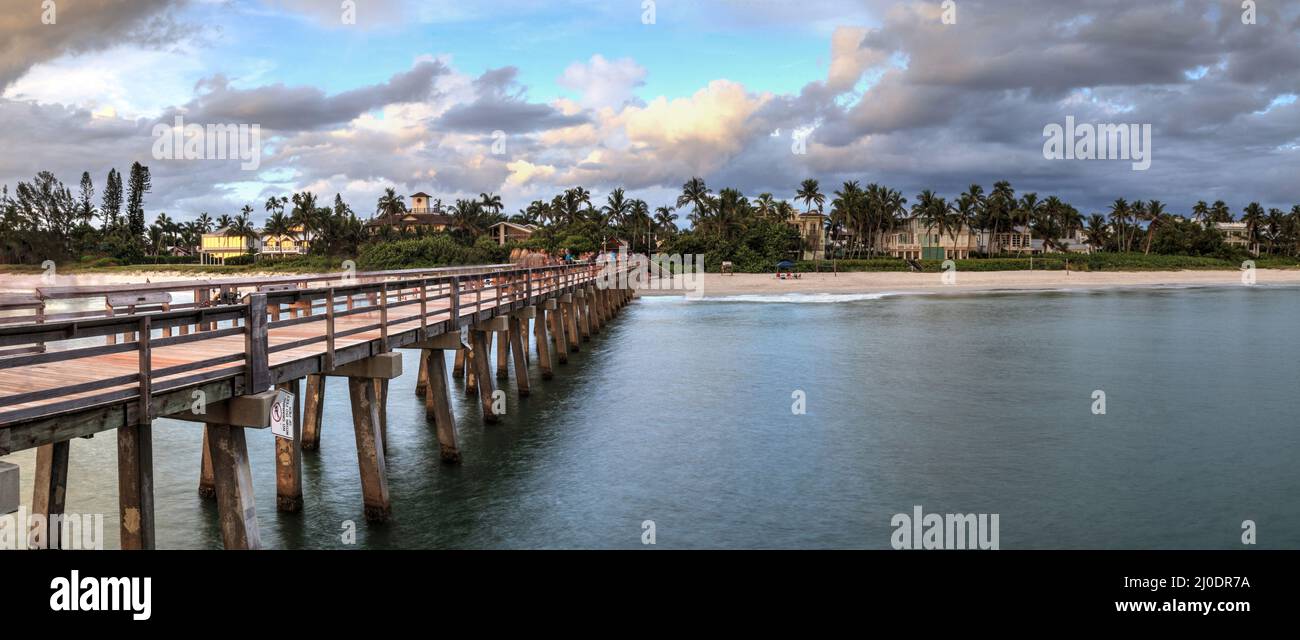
292	244
812	232
913	240
217	247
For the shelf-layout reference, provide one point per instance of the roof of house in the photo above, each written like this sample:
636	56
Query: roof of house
530	228
411	219
420	194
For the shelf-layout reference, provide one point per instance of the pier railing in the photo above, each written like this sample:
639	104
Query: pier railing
430	301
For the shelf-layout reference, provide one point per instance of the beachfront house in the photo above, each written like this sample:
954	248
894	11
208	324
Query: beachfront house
507	232
812	234
424	214
1237	235
912	239
217	247
291	244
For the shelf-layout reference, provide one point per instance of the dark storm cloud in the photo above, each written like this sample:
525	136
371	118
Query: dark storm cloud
303	108
500	104
80	26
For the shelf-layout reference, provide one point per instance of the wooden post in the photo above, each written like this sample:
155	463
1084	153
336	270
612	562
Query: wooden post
256	348
471	379
571	324
520	351
381	404
370	449
49	495
422	379
503	355
135	486
557	332
483	372
584	315
288	457
543	349
437	401
234	486
313	412
207	486
458	365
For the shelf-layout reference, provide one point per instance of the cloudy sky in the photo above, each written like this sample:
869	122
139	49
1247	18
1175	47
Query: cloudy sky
592	93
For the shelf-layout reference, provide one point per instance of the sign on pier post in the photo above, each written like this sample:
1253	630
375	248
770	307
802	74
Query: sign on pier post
282	415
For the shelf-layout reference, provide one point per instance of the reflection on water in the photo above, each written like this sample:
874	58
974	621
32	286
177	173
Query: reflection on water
681	413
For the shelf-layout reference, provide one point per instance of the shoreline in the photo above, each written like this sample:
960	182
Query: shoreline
719	285
743	284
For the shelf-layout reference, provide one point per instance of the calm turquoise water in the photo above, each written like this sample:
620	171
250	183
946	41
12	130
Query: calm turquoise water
680	413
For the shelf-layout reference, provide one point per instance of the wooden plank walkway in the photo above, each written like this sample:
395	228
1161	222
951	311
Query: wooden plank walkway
73	378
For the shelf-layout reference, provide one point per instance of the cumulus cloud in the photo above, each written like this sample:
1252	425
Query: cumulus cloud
604	83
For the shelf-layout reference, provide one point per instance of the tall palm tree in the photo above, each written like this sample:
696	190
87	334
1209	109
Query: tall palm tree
1154	214
810	192
224	220
1097	232
390	205
616	209
467	218
1119	216
1023	215
203	223
278	225
242	227
491	202
696	194
639	213
665	221
1000	208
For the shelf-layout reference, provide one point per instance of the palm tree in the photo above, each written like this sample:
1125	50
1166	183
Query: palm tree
491	202
1000	208
810	192
665	221
467	218
1023	216
933	212
278	226
242	227
224	220
1119	216
1154	214
203	223
639	213
1098	233
696	194
615	210
390	205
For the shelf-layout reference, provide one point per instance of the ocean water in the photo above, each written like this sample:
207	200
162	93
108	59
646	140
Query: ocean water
683	413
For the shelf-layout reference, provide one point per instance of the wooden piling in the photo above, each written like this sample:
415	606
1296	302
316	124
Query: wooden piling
234	486
50	490
543	344
520	351
370	449
207	486
288	457
503	355
135	486
422	379
584	315
458	366
482	372
571	325
557	332
313	412
438	404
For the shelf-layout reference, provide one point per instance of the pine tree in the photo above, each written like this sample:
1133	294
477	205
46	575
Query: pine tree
111	210
138	184
86	208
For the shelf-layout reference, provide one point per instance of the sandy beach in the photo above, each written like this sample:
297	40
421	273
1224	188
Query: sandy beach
741	284
744	284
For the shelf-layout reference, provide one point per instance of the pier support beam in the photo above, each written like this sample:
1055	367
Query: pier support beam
422	380
480	338
437	396
135	486
556	317
458	366
584	314
519	347
370	449
288	457
503	353
367	380
313	412
234	486
543	341
570	322
207	486
49	493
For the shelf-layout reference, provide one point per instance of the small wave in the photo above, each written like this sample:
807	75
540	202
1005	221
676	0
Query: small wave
804	298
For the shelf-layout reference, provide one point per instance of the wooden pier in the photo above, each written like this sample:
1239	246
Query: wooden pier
229	360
